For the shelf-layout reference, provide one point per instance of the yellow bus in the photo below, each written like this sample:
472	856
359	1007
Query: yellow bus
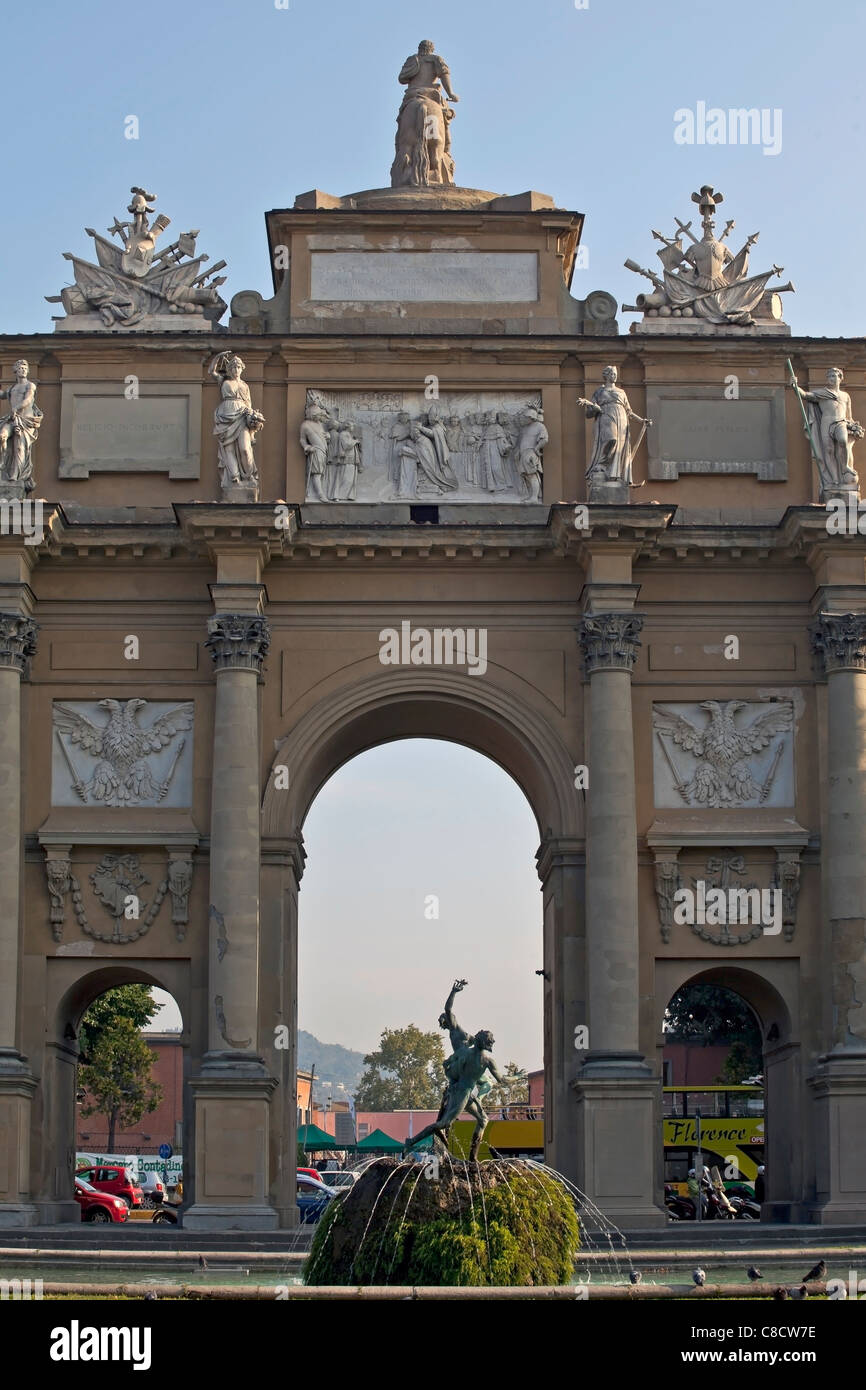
732	1132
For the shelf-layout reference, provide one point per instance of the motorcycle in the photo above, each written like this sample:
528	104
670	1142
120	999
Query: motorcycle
745	1209
678	1208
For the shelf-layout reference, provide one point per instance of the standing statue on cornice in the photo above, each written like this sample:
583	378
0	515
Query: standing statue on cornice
612	451
423	143
18	431
236	425
831	430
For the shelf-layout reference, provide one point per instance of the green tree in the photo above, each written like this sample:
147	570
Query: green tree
515	1090
744	1059
117	1077
134	1002
709	1015
404	1074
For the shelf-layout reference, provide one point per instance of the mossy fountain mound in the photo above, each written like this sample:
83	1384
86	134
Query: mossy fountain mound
501	1222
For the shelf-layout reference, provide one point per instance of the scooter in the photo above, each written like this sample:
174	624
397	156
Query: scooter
678	1208
745	1209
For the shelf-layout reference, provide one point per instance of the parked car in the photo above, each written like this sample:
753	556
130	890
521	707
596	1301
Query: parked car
153	1189
310	1172
313	1197
114	1178
339	1178
99	1206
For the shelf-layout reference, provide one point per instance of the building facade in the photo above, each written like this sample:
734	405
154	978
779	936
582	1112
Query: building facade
403	496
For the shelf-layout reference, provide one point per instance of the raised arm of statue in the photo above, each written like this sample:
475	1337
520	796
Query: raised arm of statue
447	1018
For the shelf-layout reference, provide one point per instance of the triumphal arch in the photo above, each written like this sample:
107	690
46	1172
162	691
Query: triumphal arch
431	486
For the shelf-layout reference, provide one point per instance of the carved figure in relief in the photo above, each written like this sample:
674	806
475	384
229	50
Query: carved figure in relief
398	434
345	460
314	442
530	444
491	460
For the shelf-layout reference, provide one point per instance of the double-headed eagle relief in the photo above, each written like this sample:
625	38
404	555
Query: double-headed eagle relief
133	282
705	280
721	767
124	757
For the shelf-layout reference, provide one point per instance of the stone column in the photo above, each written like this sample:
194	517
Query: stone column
615	1087
232	1093
17	1084
609	644
839	1081
561	868
282	869
238	643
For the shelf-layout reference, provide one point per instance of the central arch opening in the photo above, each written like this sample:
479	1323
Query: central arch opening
420	870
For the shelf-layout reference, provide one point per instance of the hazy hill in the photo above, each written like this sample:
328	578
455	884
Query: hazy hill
333	1062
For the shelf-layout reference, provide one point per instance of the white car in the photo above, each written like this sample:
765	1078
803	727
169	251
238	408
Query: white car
337	1178
153	1189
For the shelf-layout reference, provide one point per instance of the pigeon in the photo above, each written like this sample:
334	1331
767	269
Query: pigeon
635	1276
202	1262
800	1293
816	1272
781	1294
149	1296
699	1276
754	1273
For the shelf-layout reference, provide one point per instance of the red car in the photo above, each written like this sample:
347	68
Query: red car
310	1172
99	1206
114	1178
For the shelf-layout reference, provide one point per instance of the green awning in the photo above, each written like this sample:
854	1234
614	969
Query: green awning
380	1142
311	1138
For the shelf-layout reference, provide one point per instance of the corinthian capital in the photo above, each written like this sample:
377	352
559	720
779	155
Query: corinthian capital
17	640
839	641
609	641
238	641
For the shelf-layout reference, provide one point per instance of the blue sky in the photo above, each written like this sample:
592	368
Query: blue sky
243	105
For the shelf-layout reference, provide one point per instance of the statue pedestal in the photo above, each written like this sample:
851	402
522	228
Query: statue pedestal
240	492
17	1087
610	492
841	494
618	1140
232	1099
12	492
839	1092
